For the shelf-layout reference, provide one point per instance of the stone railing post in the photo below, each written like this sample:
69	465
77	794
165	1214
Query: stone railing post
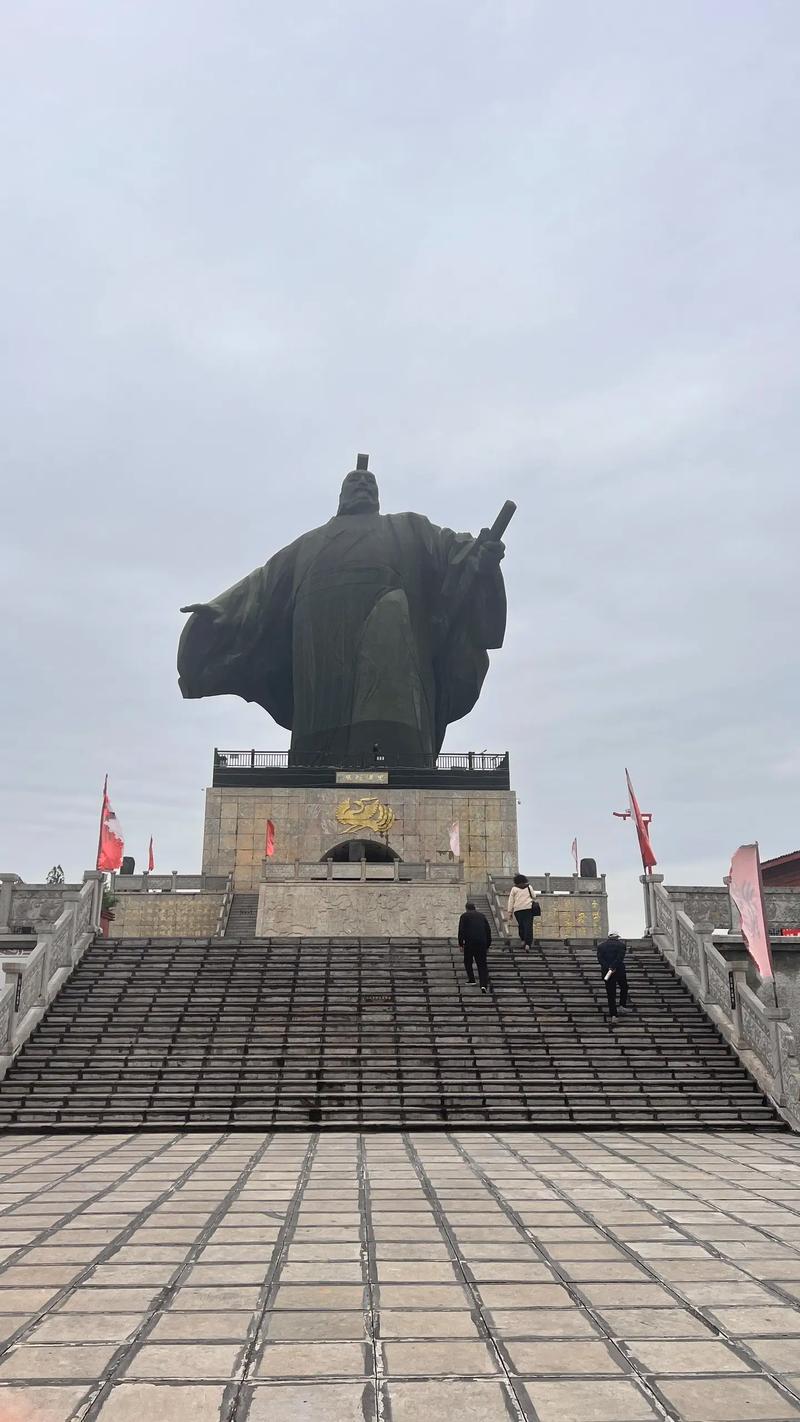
775	1018
645	883
97	879
396	870
703	932
649	881
7	882
738	979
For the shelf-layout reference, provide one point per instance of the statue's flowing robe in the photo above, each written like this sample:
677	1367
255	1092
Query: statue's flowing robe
372	628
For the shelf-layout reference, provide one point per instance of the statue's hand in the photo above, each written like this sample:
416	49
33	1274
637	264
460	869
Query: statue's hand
490	554
201	607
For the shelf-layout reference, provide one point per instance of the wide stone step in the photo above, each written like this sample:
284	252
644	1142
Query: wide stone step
196	1034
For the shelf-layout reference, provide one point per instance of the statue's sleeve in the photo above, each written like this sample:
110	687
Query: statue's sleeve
470	616
472	594
244	648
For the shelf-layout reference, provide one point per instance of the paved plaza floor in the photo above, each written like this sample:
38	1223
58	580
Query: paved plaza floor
343	1278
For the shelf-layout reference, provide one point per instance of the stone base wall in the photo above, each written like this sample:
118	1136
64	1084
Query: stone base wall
307	829
572	916
337	909
165	915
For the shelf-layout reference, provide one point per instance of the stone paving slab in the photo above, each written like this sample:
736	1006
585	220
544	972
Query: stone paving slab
515	1277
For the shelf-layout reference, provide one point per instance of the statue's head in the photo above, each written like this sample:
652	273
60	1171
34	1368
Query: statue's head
359	493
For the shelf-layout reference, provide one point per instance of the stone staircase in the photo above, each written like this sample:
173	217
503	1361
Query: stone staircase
242	917
201	1034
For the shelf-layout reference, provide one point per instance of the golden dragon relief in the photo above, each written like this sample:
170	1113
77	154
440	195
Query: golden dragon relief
366	812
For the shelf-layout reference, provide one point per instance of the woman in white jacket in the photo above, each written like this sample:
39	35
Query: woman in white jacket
520	906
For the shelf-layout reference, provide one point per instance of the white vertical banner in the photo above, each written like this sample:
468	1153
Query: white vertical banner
455	840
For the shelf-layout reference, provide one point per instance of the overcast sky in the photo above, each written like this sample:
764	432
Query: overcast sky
539	251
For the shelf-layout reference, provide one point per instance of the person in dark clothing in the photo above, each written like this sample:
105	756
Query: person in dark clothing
475	937
611	957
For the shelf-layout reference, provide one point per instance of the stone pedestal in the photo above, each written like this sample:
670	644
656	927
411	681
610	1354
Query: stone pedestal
312	823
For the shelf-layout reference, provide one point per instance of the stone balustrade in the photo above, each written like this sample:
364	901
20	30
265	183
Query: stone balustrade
173	883
361	869
715	967
33	981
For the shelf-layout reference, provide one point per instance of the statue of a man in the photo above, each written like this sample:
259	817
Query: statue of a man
371	629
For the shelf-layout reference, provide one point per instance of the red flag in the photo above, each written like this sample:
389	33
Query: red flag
110	845
269	846
574	852
151	863
747	891
642	832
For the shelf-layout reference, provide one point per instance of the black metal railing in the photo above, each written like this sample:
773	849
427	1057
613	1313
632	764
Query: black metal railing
375	760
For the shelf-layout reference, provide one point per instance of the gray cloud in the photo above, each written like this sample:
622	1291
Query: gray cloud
512	250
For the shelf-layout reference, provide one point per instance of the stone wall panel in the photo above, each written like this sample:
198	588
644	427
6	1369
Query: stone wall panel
338	909
166	915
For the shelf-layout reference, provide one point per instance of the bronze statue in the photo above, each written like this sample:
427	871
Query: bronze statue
369	633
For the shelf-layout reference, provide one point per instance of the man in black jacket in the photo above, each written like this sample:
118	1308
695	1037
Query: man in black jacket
475	936
611	957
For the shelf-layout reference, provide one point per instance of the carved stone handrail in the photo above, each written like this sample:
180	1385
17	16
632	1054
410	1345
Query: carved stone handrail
225	908
498	915
32	982
713	967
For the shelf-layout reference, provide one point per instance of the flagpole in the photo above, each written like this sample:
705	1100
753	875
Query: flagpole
102	815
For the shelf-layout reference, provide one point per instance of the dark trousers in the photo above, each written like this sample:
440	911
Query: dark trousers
477	954
619	978
524	919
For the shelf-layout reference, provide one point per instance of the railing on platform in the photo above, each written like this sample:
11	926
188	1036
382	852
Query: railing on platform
174	883
284	760
713	965
553	884
33	981
362	870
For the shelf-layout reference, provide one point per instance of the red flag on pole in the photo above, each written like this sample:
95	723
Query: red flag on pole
574	852
747	891
269	845
643	834
151	863
110	844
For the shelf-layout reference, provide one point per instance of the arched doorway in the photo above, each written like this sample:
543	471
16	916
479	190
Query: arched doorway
352	851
